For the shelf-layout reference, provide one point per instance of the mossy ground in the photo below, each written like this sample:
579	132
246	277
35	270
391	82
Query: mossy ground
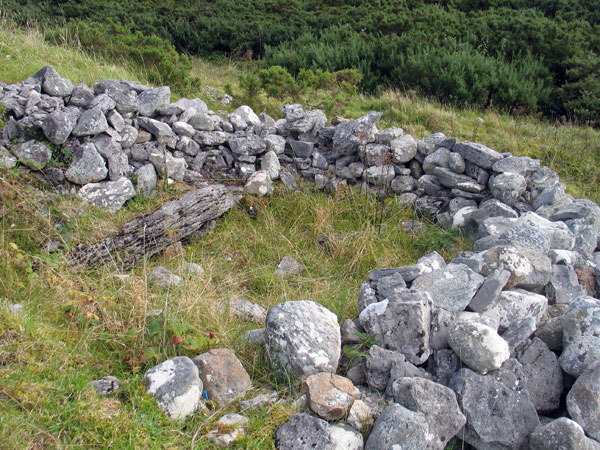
79	325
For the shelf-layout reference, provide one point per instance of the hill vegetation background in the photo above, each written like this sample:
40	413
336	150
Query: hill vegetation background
514	55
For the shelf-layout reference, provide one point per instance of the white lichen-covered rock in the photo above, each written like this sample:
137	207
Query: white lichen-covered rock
512	306
176	386
345	438
167	165
451	288
478	346
259	184
33	154
562	433
110	195
581	335
302	338
88	166
270	163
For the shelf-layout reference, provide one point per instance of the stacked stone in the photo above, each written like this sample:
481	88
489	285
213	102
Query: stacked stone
485	346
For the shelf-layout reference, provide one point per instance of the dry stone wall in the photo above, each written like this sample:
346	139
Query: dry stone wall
501	345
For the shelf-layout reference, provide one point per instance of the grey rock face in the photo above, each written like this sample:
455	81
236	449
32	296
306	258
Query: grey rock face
176	386
275	143
302	338
478	346
510	307
581	335
87	166
302	432
563	434
401	323
6	160
477	154
380	175
350	135
247	145
498	411
490	289
55	85
211	138
243	117
583	400
81	95
160	130
564	285
110	195
451	288
121	92
508	187
259	184
151	99
543	376
400	428
436	402
91	122
222	375
509	258
270	163
404	148
58	126
33	154
146	179
118	166
167	165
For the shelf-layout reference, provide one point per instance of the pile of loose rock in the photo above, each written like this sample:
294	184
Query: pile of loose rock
500	346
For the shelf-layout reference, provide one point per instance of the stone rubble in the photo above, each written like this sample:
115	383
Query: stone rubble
510	328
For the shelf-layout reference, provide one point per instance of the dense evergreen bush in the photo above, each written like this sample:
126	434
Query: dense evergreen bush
512	54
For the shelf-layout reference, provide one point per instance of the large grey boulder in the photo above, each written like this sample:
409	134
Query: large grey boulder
81	96
87	166
6	160
380	175
222	374
350	135
401	323
33	154
383	367
58	125
275	143
564	285
543	376
299	121
110	195
270	163
404	148
558	232
151	99
303	432
581	335
509	258
302	338
247	145
508	187
478	345
498	411
121	92
583	400
477	154
451	288
176	386
243	117
54	84
91	122
562	434
436	402
400	428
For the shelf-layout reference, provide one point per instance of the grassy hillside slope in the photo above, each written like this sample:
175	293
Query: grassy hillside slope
81	325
